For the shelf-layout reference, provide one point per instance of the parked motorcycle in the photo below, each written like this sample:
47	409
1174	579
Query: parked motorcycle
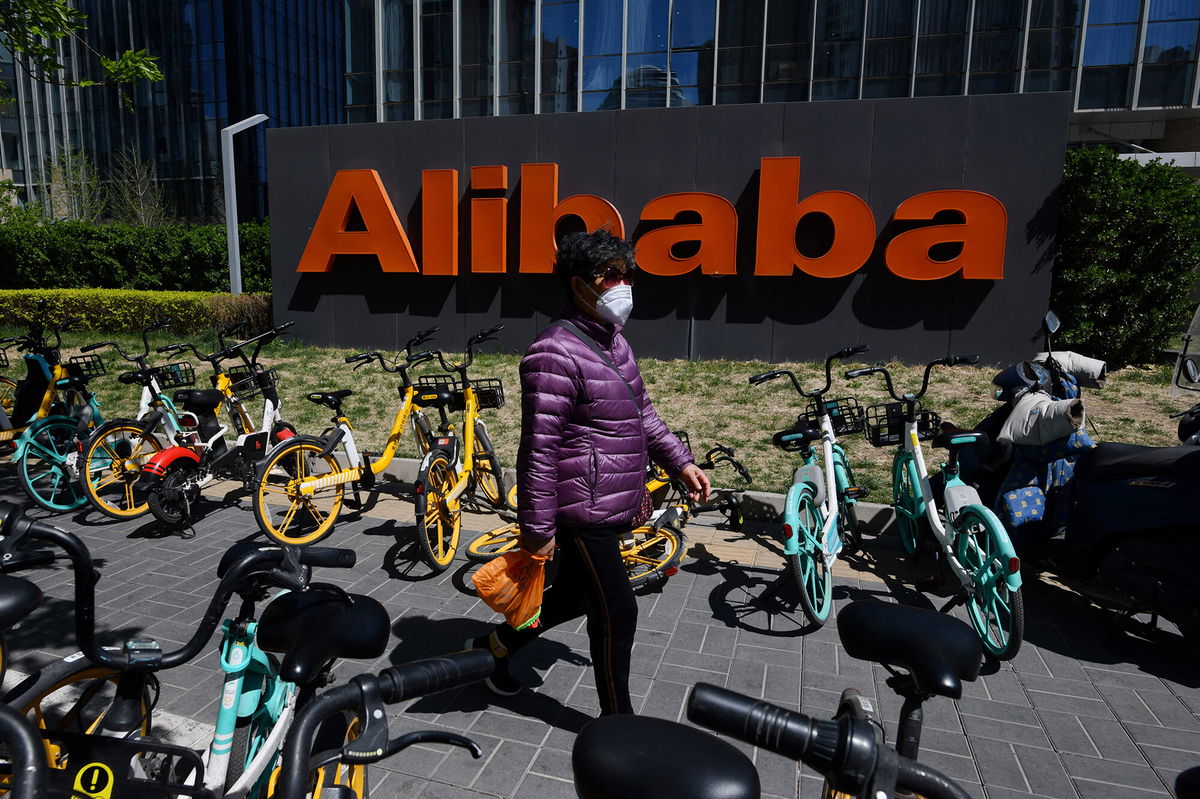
1117	521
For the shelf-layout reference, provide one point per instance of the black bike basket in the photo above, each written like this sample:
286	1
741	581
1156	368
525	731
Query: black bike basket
490	391
88	366
247	383
438	381
884	424
175	375
845	414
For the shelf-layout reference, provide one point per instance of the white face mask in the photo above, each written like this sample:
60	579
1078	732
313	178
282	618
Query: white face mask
614	305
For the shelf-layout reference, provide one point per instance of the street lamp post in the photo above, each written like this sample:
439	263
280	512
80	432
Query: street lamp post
231	228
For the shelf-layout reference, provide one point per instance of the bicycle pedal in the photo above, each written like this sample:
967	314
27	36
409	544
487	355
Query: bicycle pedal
857	492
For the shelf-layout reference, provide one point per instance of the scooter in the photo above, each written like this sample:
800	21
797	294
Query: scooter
1117	521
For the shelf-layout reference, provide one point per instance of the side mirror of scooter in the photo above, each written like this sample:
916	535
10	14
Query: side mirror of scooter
1191	371
1051	323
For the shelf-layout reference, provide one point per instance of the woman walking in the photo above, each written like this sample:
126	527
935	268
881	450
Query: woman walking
587	430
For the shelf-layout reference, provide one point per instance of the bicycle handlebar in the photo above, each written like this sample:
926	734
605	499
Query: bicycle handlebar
365	695
420	338
841	354
25	750
949	360
280	565
846	751
472	342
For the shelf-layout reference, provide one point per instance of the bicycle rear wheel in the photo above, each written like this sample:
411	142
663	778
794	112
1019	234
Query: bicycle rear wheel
489	474
808	566
110	466
494	543
996	611
907	500
288	509
438	527
43	471
651	556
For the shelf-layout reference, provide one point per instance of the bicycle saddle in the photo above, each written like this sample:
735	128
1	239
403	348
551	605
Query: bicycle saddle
311	628
937	650
952	437
18	597
621	757
140	376
427	397
200	397
330	399
796	436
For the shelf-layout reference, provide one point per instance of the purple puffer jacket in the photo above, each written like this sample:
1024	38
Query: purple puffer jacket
583	454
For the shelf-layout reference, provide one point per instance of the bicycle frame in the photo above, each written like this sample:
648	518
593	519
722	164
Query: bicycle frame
833	457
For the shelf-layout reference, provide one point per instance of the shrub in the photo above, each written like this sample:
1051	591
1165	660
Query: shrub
121	310
1128	248
117	255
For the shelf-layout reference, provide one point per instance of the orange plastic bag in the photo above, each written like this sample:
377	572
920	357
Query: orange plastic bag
512	584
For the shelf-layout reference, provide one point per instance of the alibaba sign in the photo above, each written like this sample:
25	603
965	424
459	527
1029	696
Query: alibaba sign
981	232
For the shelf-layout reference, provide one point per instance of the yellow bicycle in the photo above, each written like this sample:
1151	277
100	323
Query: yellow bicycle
301	483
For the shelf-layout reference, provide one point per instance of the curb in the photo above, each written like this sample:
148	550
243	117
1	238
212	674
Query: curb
762	506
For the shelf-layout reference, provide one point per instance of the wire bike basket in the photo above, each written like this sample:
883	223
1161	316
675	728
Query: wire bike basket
489	390
846	415
884	424
248	383
86	366
180	374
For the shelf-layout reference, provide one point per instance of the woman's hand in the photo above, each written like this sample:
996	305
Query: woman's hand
546	549
697	482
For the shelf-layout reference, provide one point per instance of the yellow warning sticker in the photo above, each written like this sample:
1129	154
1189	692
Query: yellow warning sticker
95	781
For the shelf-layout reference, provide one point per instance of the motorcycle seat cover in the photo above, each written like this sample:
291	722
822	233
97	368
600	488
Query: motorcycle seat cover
17	598
938	650
200	397
623	756
310	628
1110	460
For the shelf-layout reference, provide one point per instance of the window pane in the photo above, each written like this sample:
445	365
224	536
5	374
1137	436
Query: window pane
397	34
647	26
1110	45
943	16
601	72
1051	48
839	19
557	103
835	89
940	54
438	84
438	110
937	85
646	98
1104	12
739	65
475	107
1173	9
476	81
995	51
741	23
686	68
1056	13
436	40
398	86
360	88
398	112
789	21
836	60
998	15
885	87
516	37
560	24
1048	80
1165	84
737	94
516	78
1106	87
1170	41
785	92
516	105
992	83
787	62
602	27
891	19
360	36
889	57
475	25
693	23
559	75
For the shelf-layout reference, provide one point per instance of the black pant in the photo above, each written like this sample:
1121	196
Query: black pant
591	580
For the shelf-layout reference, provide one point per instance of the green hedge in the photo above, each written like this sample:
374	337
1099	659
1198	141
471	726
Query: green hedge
1127	254
121	310
117	255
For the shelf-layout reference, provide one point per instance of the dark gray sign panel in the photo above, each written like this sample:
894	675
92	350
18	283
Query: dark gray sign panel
884	151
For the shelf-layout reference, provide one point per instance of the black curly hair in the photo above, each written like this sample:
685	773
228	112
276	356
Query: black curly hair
586	254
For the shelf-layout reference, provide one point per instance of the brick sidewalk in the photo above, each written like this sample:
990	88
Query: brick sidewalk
1088	708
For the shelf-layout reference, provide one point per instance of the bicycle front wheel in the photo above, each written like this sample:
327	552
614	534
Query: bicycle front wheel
495	543
997	612
651	556
110	466
299	493
809	568
489	474
44	472
438	527
907	500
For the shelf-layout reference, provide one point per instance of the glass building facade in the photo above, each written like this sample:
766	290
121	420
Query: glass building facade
222	63
431	59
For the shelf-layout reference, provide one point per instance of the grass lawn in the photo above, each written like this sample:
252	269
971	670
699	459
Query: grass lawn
710	399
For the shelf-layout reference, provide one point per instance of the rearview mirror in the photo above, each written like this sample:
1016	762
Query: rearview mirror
1051	322
1191	371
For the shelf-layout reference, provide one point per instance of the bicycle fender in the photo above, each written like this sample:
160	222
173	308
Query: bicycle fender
791	517
152	473
1003	543
315	440
331	442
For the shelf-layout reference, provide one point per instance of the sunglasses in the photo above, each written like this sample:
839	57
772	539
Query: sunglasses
613	277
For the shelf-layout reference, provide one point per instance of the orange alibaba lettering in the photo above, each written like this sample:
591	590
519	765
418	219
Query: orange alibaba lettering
382	234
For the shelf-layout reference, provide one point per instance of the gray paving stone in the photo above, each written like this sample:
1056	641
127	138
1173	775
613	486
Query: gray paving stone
1128	775
1044	772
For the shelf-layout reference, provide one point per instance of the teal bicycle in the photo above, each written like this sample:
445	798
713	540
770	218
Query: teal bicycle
819	514
971	540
